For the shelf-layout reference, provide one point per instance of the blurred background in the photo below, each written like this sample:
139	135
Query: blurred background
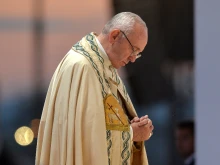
34	37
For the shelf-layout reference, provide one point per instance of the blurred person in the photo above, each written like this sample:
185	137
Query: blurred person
88	117
185	141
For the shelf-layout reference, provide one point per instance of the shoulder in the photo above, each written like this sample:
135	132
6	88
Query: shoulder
77	58
74	60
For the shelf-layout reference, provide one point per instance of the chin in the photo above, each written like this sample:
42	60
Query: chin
116	66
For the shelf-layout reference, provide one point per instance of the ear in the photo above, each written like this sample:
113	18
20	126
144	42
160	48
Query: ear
113	35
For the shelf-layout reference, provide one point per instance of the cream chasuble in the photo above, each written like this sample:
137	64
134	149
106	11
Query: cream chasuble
85	119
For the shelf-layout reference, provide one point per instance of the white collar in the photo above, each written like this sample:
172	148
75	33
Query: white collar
104	54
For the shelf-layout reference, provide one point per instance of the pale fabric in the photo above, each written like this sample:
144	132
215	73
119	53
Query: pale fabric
72	129
102	51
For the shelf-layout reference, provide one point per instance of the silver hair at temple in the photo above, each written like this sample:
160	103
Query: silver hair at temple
124	21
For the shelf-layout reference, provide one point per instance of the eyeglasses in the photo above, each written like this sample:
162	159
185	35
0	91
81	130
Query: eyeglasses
133	53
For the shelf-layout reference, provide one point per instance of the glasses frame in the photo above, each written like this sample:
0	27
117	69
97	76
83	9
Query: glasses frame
137	55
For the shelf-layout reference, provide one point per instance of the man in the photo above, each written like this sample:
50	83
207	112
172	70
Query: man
88	117
185	141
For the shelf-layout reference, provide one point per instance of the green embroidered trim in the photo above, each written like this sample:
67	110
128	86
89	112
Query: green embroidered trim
93	46
125	152
115	96
109	143
125	93
77	47
116	76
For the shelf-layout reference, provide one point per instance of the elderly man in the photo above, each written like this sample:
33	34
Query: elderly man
88	117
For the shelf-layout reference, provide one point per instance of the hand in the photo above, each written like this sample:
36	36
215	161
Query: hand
141	120
142	128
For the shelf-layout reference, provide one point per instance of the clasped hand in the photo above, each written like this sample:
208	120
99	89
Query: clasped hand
142	128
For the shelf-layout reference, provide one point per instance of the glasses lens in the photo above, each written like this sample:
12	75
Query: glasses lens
138	56
135	53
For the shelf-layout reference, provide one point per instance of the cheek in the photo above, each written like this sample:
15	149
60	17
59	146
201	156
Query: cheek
121	52
124	55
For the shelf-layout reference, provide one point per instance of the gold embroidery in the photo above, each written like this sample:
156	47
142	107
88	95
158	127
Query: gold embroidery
115	117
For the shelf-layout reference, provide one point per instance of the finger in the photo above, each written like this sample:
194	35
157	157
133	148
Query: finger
152	127
144	117
135	119
143	122
149	122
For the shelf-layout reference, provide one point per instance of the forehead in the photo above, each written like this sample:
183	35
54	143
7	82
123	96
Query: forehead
139	37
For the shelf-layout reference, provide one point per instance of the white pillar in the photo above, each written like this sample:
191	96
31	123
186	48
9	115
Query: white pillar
207	50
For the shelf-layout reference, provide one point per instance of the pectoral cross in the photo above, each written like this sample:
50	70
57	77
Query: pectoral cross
116	113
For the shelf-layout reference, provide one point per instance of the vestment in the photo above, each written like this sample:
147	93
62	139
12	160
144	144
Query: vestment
83	122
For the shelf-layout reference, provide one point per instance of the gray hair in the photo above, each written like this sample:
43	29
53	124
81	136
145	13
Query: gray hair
124	21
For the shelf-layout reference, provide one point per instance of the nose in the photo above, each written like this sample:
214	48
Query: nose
132	58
